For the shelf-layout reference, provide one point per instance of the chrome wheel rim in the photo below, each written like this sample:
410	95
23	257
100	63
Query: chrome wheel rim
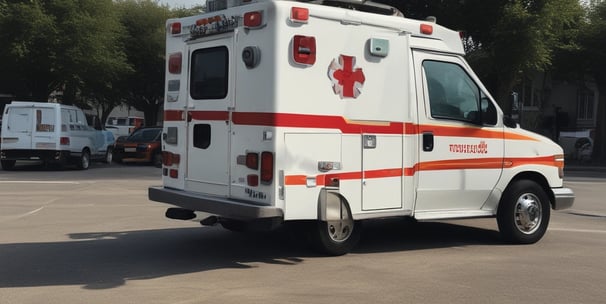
528	213
85	161
340	230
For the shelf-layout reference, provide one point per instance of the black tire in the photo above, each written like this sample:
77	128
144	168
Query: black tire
331	239
234	225
157	159
524	212
84	160
8	165
117	156
109	155
339	234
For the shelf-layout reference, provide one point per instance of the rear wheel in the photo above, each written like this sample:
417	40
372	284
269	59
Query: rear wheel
8	164
524	212
109	155
234	225
84	160
339	233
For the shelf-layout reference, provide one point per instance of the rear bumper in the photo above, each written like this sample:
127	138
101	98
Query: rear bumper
33	154
215	205
564	198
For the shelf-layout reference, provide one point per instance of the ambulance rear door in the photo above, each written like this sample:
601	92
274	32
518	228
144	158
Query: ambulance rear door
210	102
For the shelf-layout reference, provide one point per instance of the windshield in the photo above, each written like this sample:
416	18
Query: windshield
145	135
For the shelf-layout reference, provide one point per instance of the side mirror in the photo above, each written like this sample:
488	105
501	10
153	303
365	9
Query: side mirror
510	122
489	112
474	117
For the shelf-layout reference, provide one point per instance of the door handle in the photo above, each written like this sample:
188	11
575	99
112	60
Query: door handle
427	141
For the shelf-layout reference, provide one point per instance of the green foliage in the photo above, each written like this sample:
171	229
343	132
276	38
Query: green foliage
27	57
505	38
144	45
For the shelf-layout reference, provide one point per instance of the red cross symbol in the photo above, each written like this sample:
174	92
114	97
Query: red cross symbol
346	81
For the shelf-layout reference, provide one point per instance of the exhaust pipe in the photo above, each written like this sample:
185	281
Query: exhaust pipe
180	214
209	221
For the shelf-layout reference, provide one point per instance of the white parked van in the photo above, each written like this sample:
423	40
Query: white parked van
52	133
124	126
334	112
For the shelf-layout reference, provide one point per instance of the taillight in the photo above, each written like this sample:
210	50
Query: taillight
175	28
252	180
252	161
304	50
64	141
174	63
267	167
174	173
299	14
169	159
253	19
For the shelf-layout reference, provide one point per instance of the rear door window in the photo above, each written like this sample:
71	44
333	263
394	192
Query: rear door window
209	73
19	120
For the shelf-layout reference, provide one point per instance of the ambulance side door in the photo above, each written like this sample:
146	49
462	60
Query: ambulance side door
460	153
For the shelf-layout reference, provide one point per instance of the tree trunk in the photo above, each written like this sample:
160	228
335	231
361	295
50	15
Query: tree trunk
599	143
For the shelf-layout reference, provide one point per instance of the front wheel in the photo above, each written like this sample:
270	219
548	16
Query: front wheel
523	214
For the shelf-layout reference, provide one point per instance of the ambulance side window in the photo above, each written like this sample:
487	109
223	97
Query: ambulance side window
452	93
209	68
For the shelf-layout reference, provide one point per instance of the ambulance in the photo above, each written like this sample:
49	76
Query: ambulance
330	113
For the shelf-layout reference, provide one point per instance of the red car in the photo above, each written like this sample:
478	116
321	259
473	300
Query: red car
144	145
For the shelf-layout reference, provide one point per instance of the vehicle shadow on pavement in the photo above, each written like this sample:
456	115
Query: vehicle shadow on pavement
103	260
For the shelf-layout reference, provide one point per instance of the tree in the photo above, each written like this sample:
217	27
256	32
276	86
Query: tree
92	57
28	37
505	38
65	45
592	39
144	22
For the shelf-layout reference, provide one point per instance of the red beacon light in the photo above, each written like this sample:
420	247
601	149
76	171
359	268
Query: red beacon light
175	28
253	19
299	14
426	29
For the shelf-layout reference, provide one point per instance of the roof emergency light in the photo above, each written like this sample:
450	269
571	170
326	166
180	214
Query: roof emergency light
299	14
253	19
304	49
426	29
175	28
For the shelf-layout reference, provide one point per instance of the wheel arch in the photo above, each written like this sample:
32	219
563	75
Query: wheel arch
535	177
329	204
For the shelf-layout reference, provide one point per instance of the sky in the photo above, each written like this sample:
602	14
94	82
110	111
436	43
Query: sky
183	3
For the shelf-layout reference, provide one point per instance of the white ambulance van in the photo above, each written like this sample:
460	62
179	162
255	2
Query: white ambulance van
53	133
330	113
